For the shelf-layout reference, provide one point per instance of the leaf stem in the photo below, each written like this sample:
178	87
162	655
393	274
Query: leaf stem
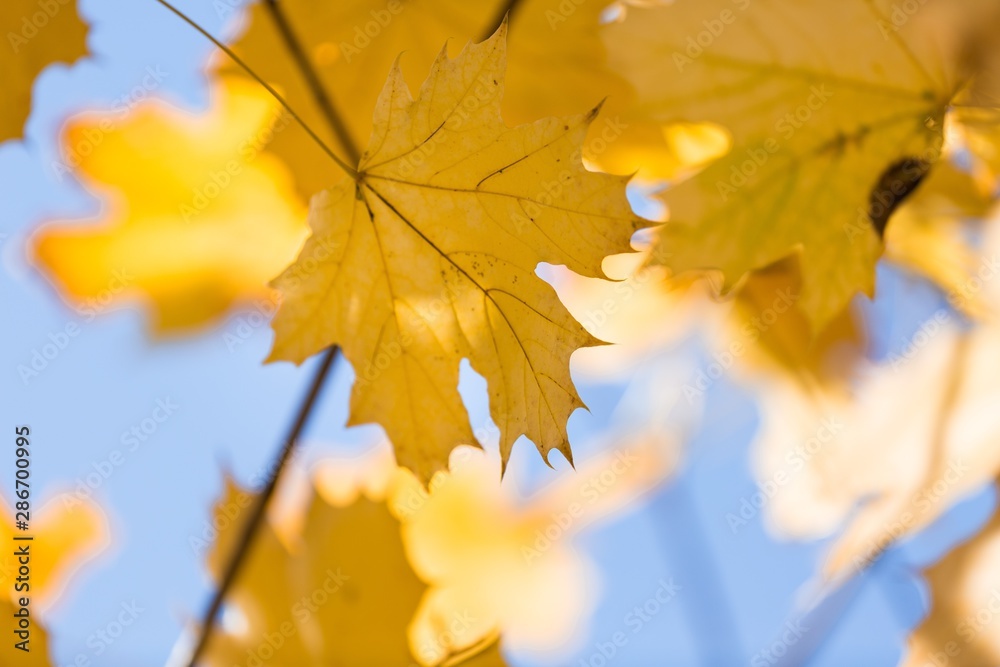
324	100
349	170
258	511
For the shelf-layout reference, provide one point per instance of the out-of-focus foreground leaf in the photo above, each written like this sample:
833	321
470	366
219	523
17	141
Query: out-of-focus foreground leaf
195	217
828	134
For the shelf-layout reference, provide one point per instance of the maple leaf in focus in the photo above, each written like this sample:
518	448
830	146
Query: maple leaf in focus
340	591
196	218
828	134
431	259
37	35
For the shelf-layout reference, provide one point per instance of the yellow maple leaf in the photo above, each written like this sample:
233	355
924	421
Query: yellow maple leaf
432	254
828	133
196	217
38	34
342	592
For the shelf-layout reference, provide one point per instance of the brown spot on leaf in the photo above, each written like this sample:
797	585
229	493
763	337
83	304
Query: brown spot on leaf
895	184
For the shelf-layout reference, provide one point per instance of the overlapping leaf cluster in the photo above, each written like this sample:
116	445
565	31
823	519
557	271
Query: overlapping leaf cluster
797	159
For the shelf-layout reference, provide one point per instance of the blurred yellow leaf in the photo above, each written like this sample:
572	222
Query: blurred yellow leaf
927	234
431	259
828	134
960	630
774	333
979	131
73	531
67	532
496	560
195	218
882	461
38	34
882	458
37	654
341	593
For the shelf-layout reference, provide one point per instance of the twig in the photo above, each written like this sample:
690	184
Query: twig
312	79
256	517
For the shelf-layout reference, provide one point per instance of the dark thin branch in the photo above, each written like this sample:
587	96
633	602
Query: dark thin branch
258	511
281	100
312	79
506	9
